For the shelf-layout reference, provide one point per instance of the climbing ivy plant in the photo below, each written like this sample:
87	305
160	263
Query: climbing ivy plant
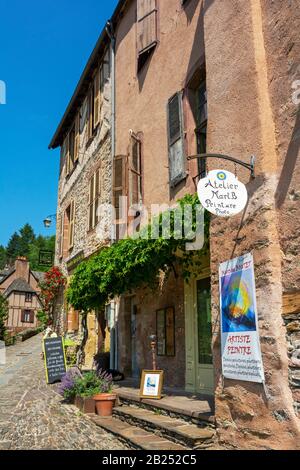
134	262
3	317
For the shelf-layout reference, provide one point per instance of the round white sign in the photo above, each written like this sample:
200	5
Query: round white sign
222	194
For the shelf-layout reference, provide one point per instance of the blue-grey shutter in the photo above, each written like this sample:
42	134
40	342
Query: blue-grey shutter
176	139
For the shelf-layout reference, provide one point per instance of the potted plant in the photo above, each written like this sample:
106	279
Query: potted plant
67	387
105	400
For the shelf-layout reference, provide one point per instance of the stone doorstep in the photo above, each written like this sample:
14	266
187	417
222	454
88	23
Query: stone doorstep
172	428
173	405
134	436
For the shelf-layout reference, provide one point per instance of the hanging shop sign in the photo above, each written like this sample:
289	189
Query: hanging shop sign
46	258
222	194
241	354
55	359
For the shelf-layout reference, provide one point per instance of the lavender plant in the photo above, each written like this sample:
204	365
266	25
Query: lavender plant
68	388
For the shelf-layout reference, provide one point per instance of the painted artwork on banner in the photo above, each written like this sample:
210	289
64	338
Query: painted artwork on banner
241	354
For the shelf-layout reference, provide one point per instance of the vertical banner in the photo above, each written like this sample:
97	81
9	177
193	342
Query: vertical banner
241	354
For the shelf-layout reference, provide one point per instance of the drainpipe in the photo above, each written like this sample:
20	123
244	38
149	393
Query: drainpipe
111	34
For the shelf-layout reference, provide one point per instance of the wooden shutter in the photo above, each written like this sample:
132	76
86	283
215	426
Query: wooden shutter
77	137
135	173
61	234
97	99
176	139
146	24
31	317
23	316
91	202
119	182
71	225
67	155
90	113
97	195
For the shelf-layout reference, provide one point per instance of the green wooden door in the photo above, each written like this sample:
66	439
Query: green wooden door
199	366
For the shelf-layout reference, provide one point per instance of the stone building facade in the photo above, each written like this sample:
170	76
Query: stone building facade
84	137
246	56
20	286
192	77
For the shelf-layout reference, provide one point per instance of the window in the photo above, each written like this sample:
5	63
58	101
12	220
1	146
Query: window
135	172
27	316
119	190
71	146
201	129
176	140
165	332
147	33
61	235
96	95
91	113
28	297
94	196
70	219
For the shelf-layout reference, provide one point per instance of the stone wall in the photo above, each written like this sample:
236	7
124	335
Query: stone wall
237	63
291	318
171	294
93	154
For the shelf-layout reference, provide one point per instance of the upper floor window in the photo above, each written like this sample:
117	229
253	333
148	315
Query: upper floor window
71	224
94	197
71	146
67	230
27	316
96	95
135	172
28	297
147	29
177	166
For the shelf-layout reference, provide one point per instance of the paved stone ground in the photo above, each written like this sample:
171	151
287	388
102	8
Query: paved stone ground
32	415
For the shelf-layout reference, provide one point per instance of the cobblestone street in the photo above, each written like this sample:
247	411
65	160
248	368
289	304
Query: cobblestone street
32	415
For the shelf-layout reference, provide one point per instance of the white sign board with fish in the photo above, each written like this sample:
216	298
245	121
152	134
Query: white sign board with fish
241	354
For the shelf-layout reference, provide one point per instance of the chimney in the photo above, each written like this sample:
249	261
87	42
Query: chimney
22	268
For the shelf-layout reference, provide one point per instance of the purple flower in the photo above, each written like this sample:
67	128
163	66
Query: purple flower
68	382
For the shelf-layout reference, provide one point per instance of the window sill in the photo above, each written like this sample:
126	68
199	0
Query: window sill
176	181
89	142
73	169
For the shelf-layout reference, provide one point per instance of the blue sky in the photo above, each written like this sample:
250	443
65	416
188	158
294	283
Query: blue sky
44	46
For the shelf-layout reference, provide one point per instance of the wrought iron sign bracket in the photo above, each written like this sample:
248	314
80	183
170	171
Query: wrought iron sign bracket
250	166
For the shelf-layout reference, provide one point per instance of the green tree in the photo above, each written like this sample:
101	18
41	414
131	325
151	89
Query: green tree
13	249
3	316
27	238
3	257
40	243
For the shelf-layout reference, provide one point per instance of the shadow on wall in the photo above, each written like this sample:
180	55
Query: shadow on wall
289	164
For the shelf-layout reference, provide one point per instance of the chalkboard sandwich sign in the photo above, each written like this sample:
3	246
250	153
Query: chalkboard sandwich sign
55	359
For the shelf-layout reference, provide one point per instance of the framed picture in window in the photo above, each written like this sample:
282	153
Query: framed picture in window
165	332
151	384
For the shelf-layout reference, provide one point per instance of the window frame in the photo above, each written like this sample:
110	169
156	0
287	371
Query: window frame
94	199
144	53
28	297
166	353
174	181
24	317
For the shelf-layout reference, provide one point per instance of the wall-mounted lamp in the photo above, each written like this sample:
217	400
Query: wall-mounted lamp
48	220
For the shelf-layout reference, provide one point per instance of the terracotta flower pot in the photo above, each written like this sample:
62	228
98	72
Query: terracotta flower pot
105	403
79	402
85	405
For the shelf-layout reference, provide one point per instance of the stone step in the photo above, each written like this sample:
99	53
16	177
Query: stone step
176	430
134	436
187	408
